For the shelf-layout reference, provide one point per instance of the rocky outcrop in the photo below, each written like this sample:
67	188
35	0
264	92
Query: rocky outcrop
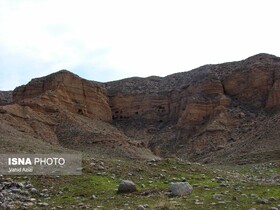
28	121
274	93
65	110
68	91
252	82
210	113
196	113
6	97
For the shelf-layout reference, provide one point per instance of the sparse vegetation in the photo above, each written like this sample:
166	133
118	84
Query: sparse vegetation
213	187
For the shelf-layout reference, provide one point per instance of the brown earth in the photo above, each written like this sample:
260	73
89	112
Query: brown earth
226	112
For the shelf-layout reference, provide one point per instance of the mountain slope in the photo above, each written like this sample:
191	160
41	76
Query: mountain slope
204	114
67	111
225	112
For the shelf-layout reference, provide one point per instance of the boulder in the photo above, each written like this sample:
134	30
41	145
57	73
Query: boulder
180	188
126	186
140	207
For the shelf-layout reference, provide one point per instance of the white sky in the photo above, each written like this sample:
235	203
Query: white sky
105	40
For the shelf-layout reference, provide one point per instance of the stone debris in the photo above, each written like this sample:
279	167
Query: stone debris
14	195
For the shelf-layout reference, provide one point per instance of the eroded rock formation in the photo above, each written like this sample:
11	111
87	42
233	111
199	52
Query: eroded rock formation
64	109
220	112
66	90
197	113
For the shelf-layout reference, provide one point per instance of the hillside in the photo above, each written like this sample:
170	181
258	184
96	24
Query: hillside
64	111
216	113
224	112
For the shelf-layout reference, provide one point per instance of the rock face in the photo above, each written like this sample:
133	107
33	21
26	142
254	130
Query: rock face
69	92
66	110
274	94
192	96
6	97
224	112
200	112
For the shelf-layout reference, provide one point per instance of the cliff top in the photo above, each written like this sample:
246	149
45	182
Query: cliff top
177	81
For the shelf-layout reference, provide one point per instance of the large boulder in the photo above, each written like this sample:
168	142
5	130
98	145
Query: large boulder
126	186
180	188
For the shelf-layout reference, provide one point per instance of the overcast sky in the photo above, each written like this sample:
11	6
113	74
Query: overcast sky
106	40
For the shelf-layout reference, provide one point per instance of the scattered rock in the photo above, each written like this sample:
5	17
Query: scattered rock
43	204
218	196
272	199
146	206
234	198
28	204
101	168
16	190
261	201
93	197
32	200
33	190
140	207
221	203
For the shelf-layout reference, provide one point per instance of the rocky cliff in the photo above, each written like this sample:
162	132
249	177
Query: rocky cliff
6	97
68	91
200	113
224	112
64	109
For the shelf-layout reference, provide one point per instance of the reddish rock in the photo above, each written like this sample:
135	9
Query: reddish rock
251	85
274	94
224	112
64	110
68	91
194	114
